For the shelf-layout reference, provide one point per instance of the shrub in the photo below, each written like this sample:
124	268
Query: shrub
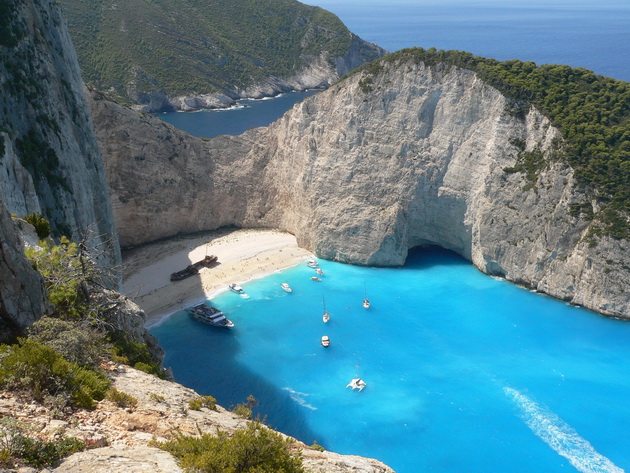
16	444
245	409
202	401
41	454
76	343
255	449
41	371
42	227
121	399
317	446
157	397
65	274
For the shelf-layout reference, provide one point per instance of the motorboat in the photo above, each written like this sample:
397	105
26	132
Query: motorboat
319	271
312	263
315	278
236	288
326	316
357	383
286	287
210	315
325	341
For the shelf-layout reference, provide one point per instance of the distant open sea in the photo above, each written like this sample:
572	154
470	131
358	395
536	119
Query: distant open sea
466	373
579	33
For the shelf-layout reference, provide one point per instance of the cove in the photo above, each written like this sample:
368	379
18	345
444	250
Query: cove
248	113
464	372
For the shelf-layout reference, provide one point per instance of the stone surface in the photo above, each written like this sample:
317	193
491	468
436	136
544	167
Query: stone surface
362	174
120	459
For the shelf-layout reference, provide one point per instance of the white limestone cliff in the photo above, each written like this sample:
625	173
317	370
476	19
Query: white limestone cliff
368	169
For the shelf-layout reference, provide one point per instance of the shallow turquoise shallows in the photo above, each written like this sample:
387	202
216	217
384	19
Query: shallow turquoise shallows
465	373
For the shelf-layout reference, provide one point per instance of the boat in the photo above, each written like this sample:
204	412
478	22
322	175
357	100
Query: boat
366	302
192	269
315	278
357	383
319	271
325	341
286	287
210	315
326	316
236	288
312	263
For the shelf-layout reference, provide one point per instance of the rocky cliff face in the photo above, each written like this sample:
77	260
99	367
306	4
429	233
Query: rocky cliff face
368	169
49	159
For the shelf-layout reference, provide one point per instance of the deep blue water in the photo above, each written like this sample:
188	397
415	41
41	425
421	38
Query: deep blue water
580	33
234	121
465	373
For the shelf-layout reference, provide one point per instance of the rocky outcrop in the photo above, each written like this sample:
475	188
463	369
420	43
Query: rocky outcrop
22	292
122	438
374	166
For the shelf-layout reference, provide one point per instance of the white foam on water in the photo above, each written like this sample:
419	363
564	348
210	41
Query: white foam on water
299	398
560	436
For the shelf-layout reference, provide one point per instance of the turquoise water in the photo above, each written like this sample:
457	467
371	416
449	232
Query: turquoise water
465	373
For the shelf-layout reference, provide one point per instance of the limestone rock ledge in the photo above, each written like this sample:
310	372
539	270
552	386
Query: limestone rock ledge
121	437
364	171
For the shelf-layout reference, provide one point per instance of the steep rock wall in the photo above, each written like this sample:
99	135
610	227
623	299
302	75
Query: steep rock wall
368	169
49	158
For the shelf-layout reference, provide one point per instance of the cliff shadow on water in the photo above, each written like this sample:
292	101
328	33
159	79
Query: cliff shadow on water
206	359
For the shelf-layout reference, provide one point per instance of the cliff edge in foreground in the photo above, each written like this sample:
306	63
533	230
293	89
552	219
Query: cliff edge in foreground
390	158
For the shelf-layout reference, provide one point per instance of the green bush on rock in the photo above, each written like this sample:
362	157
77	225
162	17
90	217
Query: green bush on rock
255	449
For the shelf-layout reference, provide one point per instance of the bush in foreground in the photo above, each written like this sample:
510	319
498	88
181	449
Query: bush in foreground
255	449
42	372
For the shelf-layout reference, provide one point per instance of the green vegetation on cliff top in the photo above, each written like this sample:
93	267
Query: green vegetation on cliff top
185	46
591	111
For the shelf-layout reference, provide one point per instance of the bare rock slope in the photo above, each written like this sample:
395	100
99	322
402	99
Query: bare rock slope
368	169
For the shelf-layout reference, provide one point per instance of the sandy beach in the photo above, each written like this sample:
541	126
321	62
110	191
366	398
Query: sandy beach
243	255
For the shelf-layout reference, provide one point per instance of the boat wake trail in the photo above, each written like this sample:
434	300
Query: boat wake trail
560	436
299	398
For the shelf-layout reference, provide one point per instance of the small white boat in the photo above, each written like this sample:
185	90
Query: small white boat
357	383
319	271
366	302
286	287
325	341
312	263
326	316
236	288
315	278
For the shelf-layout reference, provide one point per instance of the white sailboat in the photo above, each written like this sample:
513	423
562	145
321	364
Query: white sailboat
366	301
326	316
